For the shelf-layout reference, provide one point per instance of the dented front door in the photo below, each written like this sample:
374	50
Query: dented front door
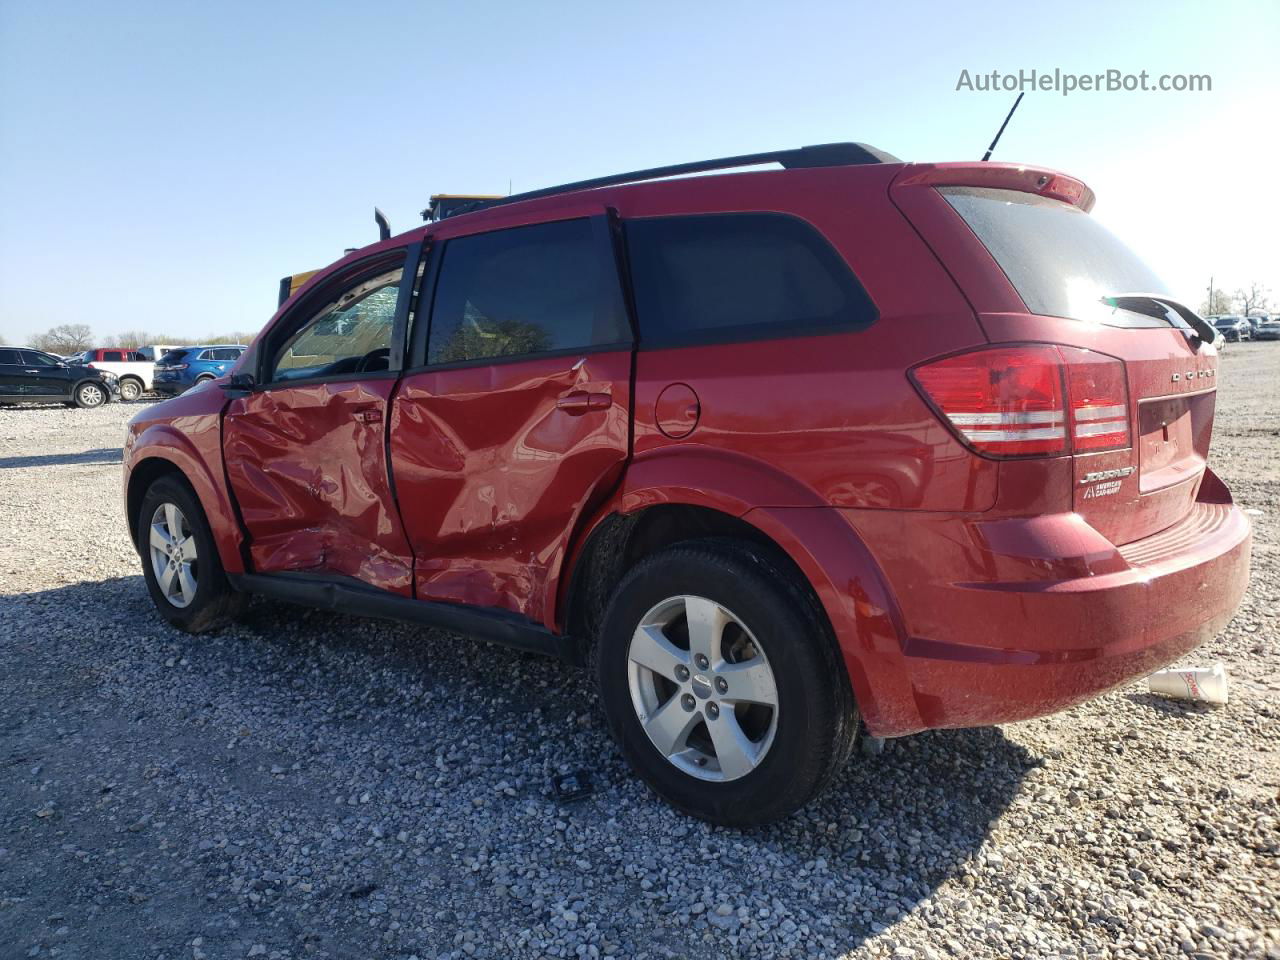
306	450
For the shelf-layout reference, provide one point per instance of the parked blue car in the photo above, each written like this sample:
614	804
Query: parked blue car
184	367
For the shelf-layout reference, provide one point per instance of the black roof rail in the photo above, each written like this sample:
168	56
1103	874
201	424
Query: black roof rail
819	155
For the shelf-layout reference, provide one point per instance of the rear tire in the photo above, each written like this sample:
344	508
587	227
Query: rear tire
180	560
130	389
759	727
90	394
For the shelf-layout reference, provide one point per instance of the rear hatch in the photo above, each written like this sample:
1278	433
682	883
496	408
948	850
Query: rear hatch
1142	398
171	359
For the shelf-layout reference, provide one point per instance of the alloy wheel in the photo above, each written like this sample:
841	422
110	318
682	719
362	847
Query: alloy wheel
92	395
702	688
174	561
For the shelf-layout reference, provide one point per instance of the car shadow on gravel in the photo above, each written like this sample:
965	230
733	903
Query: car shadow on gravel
102	455
418	764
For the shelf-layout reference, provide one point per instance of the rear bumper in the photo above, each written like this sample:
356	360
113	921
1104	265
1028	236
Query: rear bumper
169	388
977	651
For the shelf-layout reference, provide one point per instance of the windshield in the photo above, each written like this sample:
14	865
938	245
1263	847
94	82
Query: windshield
1061	261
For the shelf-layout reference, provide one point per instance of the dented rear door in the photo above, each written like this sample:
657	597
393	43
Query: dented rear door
516	418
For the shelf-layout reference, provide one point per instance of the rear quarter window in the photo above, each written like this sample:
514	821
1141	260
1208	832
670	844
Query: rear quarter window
715	278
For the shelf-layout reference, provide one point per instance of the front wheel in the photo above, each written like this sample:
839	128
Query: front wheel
722	685
180	561
90	394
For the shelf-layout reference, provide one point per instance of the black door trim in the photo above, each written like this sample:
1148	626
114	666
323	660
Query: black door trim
347	595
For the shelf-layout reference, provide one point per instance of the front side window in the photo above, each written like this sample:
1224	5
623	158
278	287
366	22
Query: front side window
352	334
526	290
717	278
9	356
38	359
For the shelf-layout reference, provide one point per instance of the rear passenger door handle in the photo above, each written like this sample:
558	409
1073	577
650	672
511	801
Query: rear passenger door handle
578	402
369	415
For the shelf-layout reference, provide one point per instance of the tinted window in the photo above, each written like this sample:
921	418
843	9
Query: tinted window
174	356
1061	261
9	356
36	359
741	276
522	291
227	353
112	356
349	335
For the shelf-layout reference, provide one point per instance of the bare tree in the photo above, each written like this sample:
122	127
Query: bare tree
64	338
1254	298
1216	305
132	339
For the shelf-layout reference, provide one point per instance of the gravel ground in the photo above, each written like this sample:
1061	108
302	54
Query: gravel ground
309	785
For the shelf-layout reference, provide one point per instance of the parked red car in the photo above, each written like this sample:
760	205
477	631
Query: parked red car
779	453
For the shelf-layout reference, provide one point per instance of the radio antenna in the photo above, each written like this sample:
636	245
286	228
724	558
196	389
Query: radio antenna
987	156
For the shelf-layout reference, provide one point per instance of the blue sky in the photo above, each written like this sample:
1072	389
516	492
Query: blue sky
163	165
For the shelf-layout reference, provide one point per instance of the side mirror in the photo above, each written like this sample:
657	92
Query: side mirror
239	383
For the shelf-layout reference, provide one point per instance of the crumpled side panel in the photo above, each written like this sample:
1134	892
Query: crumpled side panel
310	475
493	476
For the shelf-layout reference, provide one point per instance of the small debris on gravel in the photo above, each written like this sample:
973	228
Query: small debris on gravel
309	785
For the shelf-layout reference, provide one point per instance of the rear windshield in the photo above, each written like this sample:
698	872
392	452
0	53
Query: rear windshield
1061	261
174	356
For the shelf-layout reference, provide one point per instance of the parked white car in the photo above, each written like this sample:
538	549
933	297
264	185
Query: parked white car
155	351
134	372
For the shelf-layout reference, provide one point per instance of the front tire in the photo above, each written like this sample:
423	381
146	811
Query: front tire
130	389
180	560
722	685
90	394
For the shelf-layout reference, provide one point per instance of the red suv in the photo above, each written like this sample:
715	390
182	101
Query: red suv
781	454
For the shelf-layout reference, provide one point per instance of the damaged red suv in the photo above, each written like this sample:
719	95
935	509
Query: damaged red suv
783	455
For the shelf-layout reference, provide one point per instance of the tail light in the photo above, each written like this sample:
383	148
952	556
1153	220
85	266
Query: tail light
1030	401
176	366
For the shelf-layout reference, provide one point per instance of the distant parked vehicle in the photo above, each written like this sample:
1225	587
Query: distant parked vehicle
185	367
1266	329
132	369
33	376
1234	328
153	352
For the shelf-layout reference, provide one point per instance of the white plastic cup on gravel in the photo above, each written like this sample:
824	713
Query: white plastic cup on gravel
1206	684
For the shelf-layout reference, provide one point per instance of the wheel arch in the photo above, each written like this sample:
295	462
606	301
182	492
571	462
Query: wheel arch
166	453
816	546
75	388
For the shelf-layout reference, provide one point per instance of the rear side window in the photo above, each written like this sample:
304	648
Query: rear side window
522	291
112	356
1061	261
739	276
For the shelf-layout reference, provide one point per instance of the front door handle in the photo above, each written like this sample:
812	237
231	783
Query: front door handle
578	402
